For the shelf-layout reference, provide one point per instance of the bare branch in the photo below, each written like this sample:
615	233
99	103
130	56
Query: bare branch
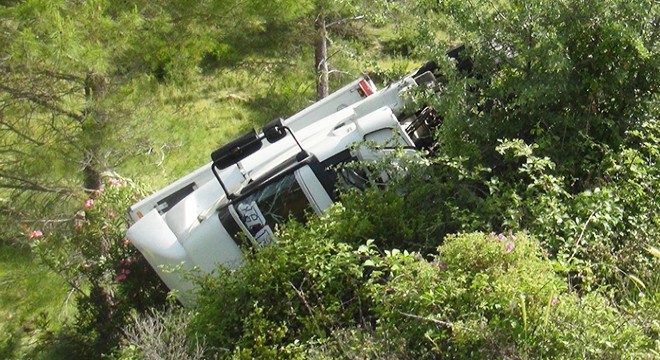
302	298
43	72
447	324
345	20
60	76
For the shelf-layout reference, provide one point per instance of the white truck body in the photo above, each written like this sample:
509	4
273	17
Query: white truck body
255	183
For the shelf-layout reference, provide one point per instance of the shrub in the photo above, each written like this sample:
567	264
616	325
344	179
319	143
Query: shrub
571	76
160	335
299	289
421	203
480	296
599	234
108	276
494	296
602	233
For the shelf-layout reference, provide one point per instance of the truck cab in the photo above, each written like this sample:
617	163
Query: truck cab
287	169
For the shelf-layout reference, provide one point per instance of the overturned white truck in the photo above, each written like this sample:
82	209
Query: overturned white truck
232	204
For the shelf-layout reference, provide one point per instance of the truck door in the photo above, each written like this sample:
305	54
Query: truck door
290	195
319	199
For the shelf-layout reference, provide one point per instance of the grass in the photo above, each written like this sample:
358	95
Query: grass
32	302
182	125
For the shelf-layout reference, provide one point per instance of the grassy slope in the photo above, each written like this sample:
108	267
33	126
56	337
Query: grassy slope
187	123
31	298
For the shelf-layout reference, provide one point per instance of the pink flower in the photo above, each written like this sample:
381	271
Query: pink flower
126	262
554	301
88	203
501	237
114	182
510	245
122	276
35	234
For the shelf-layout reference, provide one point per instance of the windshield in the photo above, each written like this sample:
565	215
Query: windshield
273	204
340	172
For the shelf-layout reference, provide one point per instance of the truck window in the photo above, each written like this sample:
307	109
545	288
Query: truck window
334	175
272	204
348	177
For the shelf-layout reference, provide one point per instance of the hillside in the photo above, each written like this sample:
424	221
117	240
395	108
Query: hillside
531	231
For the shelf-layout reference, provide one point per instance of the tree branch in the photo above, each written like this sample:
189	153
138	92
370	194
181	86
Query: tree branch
345	20
20	134
41	102
28	185
435	321
45	72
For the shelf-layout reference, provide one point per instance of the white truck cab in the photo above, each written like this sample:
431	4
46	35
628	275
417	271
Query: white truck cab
232	204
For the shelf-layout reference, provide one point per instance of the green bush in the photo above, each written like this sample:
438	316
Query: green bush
601	234
571	76
495	296
109	278
480	296
421	203
575	82
299	289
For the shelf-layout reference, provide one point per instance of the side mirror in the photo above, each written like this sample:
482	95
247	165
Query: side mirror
236	150
274	130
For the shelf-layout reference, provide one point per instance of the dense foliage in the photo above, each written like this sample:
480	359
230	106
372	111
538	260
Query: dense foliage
568	92
478	296
530	230
569	76
109	276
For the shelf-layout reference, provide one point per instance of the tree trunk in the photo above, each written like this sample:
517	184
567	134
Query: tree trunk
321	57
95	86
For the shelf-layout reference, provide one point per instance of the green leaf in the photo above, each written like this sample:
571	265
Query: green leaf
653	251
637	281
